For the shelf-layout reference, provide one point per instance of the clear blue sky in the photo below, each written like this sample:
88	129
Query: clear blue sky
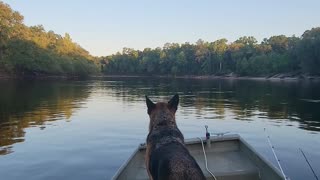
105	27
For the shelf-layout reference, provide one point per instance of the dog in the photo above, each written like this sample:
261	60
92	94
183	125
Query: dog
167	157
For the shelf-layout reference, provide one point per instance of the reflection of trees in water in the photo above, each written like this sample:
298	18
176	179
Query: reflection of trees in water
272	100
27	104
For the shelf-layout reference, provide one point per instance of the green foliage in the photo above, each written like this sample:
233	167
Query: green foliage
279	44
263	64
247	40
32	50
309	51
278	54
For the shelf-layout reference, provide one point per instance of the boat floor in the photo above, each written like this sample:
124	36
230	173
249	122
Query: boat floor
225	165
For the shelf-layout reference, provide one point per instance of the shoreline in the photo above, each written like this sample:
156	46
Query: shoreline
39	77
211	77
278	77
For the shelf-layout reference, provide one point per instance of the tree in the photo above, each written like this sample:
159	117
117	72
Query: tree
308	51
219	48
279	44
247	40
32	50
10	26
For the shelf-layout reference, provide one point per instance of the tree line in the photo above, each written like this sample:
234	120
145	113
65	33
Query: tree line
33	50
244	57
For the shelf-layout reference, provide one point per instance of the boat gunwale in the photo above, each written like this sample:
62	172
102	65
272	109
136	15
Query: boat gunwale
273	167
124	165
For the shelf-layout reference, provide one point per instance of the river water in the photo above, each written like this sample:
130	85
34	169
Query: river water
87	129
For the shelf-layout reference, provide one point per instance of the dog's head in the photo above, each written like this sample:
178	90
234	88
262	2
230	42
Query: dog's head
161	113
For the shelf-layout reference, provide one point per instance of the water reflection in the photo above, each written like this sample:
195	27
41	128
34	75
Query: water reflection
33	104
108	120
238	99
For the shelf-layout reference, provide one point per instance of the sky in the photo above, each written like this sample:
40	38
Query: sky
104	27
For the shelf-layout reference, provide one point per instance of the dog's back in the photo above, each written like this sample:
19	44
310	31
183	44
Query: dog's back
167	157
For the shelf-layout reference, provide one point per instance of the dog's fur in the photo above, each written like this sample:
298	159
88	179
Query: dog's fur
167	158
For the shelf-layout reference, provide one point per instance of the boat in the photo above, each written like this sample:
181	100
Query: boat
227	157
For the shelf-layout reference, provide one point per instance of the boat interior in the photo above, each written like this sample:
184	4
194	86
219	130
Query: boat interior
229	157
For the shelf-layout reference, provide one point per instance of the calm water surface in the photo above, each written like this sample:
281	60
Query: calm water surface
87	129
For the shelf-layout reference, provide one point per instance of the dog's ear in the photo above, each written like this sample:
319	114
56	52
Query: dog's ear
150	105
173	103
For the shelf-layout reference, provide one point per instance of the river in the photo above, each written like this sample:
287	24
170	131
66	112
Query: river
53	129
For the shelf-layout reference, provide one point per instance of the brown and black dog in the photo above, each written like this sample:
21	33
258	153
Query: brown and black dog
167	156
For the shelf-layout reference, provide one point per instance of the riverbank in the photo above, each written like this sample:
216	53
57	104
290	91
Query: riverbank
6	76
231	76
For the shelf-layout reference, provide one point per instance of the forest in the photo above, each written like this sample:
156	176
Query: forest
243	57
34	51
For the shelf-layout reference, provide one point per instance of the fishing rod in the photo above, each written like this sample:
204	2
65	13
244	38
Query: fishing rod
275	155
305	157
